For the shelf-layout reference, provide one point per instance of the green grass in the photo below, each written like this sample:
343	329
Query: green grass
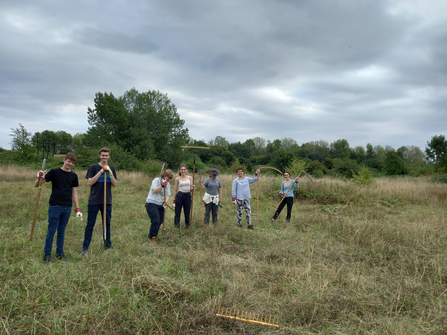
355	259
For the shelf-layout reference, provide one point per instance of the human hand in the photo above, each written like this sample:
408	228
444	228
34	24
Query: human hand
165	206
281	193
164	183
173	204
220	204
257	172
41	174
234	201
78	213
193	187
297	180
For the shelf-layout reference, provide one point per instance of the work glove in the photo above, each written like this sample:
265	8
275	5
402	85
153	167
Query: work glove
78	213
220	204
165	206
193	187
297	180
173	204
234	201
41	174
257	172
164	183
281	193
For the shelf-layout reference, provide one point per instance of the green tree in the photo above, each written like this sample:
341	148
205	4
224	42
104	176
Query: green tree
21	144
145	124
436	151
45	143
394	165
281	158
340	149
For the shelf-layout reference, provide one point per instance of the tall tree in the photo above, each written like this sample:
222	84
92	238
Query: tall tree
340	149
436	151
393	164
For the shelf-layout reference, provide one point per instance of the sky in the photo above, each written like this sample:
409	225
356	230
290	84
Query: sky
366	71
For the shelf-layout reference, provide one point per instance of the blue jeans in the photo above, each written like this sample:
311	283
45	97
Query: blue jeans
57	221
156	214
91	220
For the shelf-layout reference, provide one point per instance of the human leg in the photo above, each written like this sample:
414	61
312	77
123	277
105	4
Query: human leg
247	211
240	206
187	208
107	242
91	221
53	219
178	209
214	208
278	211
208	207
289	208
63	221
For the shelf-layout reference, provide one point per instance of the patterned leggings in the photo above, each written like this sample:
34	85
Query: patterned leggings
243	204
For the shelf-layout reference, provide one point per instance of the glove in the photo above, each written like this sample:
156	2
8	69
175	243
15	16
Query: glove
281	193
41	174
193	187
164	183
297	180
165	206
173	204
257	172
106	168
78	213
220	204
234	201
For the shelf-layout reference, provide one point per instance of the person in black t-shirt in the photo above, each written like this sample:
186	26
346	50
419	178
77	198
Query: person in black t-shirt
64	190
95	176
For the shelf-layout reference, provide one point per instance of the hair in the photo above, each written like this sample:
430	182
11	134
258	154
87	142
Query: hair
168	173
105	150
183	165
288	173
71	157
239	169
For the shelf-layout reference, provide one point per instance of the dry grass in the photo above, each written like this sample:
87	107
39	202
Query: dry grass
354	260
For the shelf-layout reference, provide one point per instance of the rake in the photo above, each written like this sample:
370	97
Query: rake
253	318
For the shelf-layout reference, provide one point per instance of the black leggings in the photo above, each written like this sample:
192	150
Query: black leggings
289	202
182	200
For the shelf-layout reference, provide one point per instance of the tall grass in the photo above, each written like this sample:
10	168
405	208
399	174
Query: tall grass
354	260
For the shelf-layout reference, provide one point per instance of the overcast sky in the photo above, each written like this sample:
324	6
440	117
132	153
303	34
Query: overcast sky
366	71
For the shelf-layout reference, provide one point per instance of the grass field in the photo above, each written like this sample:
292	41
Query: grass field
353	260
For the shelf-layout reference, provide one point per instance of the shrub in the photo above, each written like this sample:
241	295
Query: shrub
364	176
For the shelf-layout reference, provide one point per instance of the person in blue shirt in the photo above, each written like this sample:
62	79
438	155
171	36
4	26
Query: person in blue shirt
286	186
241	195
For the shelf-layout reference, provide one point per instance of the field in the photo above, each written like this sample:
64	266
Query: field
353	260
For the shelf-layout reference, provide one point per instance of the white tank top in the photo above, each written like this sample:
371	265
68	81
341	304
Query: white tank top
184	186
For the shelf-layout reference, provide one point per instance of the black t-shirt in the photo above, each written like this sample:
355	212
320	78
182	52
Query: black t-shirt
62	183
97	189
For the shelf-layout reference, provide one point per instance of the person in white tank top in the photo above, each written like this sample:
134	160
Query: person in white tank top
182	190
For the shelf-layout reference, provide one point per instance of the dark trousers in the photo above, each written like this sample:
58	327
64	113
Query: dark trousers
156	214
289	202
211	207
182	200
91	221
58	217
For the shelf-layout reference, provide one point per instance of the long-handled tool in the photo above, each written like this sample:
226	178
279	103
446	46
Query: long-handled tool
37	202
192	193
163	170
253	318
104	213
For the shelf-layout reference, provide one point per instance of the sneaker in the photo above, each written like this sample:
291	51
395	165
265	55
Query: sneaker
273	220
109	247
62	257
239	225
47	259
288	221
84	251
250	226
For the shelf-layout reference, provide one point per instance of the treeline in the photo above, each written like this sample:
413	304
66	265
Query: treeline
143	129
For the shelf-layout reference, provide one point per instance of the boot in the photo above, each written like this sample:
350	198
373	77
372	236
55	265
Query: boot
153	240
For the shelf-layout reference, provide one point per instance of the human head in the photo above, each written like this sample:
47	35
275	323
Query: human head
214	171
168	174
240	172
71	157
104	155
286	172
185	169
104	150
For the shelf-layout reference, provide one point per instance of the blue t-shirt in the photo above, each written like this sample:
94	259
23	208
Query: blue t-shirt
241	188
284	188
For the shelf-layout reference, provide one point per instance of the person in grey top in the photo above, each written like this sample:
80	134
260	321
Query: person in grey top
155	203
212	197
241	195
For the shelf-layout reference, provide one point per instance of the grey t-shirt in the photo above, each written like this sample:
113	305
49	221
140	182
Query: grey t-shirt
212	185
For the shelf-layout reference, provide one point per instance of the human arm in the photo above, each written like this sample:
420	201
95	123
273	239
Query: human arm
112	174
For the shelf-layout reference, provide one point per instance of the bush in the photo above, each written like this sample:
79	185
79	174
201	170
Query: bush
440	179
364	176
